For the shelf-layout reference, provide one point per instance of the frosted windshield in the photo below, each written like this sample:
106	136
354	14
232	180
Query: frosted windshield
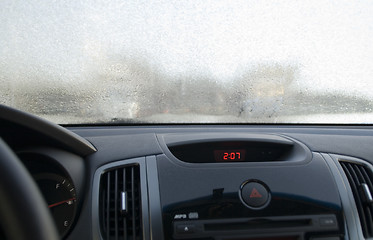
205	61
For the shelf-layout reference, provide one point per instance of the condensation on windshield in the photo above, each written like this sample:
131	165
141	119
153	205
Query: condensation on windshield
117	61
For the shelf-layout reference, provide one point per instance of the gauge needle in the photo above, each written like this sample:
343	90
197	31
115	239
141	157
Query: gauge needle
59	203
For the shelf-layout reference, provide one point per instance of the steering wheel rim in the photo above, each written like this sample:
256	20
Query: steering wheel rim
23	211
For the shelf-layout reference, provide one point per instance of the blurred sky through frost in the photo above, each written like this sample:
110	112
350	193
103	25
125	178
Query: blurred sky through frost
330	42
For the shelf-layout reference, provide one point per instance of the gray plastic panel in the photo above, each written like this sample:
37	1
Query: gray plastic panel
182	139
155	209
113	148
348	204
299	154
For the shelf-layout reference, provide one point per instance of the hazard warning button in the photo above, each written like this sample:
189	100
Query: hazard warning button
255	194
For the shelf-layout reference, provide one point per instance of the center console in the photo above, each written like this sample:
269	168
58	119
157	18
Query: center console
241	187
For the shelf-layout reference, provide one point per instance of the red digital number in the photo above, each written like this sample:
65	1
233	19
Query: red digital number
231	155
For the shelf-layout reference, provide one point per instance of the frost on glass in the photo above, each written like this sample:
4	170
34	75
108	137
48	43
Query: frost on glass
180	62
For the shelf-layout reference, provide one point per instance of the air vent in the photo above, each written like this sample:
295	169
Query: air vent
360	178
120	204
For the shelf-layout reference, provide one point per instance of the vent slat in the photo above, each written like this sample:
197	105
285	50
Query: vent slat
125	230
368	208
108	207
103	198
120	204
368	211
358	175
133	203
368	178
116	204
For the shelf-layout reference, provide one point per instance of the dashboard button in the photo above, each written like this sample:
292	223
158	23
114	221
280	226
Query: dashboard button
329	221
185	228
254	194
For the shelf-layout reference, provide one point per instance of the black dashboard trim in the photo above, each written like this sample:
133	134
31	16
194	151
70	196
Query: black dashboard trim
141	161
76	143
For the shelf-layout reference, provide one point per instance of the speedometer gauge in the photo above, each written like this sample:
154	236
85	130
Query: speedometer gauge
60	196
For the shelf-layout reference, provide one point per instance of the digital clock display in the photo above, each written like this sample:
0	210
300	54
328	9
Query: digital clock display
232	155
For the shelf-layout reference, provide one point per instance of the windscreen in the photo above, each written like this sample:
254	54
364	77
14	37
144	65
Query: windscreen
251	61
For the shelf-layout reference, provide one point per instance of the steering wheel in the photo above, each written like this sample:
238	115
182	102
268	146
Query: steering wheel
23	211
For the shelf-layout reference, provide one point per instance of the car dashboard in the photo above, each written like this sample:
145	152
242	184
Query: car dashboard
215	182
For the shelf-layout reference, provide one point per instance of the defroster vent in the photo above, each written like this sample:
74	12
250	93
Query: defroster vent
360	178
120	204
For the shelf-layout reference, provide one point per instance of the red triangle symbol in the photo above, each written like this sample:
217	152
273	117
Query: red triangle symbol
255	194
